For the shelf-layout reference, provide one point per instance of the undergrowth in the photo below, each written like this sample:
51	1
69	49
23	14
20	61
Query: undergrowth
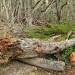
43	32
66	54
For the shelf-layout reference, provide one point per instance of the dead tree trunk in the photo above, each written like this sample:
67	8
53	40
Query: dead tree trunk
44	47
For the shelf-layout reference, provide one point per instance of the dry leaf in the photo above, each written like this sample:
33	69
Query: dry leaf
72	57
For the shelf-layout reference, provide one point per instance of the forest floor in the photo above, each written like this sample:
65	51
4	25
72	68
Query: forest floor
18	68
44	33
69	71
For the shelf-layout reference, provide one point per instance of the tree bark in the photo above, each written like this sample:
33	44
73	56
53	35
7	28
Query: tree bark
44	47
45	64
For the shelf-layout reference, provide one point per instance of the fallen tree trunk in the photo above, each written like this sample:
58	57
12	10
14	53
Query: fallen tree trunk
44	47
25	49
45	64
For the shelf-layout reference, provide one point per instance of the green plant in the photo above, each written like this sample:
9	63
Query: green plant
43	32
69	22
59	29
66	54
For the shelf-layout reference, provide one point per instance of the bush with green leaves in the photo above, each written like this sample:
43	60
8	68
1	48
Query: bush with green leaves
66	54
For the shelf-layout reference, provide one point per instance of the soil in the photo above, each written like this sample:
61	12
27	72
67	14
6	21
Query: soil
18	68
69	71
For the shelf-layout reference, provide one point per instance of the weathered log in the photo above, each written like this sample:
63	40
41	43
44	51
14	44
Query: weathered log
45	64
44	47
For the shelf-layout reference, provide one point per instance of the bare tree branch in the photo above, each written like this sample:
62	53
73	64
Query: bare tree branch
63	5
37	5
47	8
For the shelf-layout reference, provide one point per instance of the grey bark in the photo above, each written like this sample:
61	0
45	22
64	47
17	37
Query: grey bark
44	47
46	64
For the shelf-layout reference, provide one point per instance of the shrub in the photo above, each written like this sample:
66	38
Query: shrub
66	54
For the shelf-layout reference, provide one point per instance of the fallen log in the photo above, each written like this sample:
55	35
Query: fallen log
45	64
25	49
44	47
